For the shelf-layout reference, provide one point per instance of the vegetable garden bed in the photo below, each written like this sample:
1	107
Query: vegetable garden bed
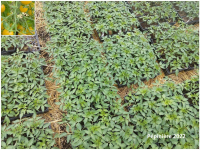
122	60
153	13
191	91
84	71
183	10
22	86
33	133
172	49
107	18
164	106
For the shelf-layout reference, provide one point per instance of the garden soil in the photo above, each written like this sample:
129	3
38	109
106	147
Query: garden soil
54	116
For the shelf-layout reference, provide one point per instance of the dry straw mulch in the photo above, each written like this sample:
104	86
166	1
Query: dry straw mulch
54	116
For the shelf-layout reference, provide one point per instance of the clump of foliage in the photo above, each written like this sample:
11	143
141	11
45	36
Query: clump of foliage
163	110
67	20
153	12
160	110
22	85
176	47
191	91
95	113
11	42
111	16
85	77
29	134
103	126
130	57
190	9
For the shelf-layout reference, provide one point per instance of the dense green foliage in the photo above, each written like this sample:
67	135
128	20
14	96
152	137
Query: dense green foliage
190	8
191	91
153	12
71	50
22	85
111	16
67	19
29	134
13	41
176	47
130	57
86	72
163	110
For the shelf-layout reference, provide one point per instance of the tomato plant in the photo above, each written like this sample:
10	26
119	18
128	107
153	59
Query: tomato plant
34	133
97	118
17	18
24	103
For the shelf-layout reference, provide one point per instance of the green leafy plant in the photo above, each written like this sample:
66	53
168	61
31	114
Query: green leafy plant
130	57
152	13
27	134
191	91
11	42
84	82
67	19
163	110
22	85
86	71
189	10
176	47
99	127
111	16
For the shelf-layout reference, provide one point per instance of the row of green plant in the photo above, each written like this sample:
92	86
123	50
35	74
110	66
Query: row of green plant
153	12
130	57
84	71
147	68
86	87
158	12
164	109
21	79
70	24
111	16
167	38
190	9
31	133
23	92
10	43
125	16
191	91
167	115
176	47
22	82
